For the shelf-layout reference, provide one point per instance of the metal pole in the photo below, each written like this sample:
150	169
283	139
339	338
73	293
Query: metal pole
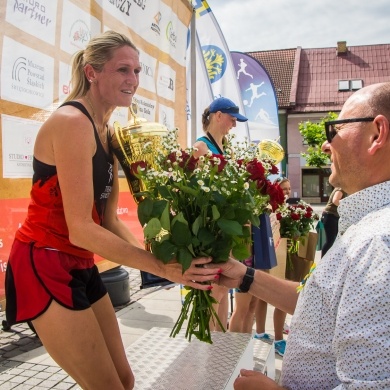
193	78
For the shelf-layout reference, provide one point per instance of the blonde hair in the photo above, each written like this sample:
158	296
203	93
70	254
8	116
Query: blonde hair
281	180
206	119
97	53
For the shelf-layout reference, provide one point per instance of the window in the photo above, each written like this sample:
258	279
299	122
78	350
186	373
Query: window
350	85
343	85
356	84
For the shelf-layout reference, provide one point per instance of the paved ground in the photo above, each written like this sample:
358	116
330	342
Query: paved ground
17	343
25	364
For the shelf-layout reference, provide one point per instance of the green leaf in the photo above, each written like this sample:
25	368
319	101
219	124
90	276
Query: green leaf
197	224
144	211
205	237
221	250
189	190
159	207
241	252
181	234
184	257
246	231
242	216
179	218
229	212
152	228
216	214
164	251
165	218
255	220
233	228
164	192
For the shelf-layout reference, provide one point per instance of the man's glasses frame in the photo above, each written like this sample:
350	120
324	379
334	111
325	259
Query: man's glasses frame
331	129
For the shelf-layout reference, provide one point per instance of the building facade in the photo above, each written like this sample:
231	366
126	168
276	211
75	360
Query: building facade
310	83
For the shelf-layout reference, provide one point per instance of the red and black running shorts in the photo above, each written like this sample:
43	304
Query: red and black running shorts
36	276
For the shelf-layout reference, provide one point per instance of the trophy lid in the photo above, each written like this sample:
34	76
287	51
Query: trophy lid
270	149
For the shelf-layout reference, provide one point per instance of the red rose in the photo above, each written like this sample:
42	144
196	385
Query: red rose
262	185
256	170
188	161
274	170
172	157
295	216
138	164
222	163
275	194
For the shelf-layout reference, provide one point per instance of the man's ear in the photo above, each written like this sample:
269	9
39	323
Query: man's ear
381	136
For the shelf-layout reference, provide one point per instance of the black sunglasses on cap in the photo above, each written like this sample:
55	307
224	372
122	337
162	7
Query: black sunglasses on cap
331	130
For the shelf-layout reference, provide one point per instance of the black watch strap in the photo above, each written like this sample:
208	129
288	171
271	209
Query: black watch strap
247	280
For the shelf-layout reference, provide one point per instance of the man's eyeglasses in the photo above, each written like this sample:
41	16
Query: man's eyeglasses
331	130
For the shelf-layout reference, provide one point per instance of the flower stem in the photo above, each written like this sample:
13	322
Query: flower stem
202	312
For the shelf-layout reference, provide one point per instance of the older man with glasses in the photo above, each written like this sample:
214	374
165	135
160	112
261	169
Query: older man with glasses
340	331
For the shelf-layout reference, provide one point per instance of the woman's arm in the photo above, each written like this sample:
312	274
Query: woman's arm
200	149
73	146
338	195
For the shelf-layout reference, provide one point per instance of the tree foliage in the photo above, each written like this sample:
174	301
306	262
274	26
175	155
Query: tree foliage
314	136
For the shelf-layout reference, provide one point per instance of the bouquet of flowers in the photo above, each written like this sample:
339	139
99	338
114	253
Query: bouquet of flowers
296	220
203	207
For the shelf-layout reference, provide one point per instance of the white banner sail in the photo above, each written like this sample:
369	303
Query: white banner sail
203	93
219	65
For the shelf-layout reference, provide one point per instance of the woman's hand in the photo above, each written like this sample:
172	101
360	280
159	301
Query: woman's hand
253	380
232	274
195	275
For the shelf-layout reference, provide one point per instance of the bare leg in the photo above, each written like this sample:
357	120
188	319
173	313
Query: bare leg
260	314
248	323
279	318
87	345
221	294
241	306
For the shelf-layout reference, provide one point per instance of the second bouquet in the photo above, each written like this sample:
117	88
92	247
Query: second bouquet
202	207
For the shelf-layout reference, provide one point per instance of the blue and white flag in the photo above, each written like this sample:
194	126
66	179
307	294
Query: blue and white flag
219	65
258	96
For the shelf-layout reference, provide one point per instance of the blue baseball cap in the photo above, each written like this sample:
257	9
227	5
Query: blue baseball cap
228	107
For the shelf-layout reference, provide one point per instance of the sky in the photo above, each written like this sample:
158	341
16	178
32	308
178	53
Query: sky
257	25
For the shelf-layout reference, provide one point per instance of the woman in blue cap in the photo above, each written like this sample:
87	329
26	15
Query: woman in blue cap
217	120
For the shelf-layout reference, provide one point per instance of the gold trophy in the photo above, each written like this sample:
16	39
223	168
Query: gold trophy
128	144
271	150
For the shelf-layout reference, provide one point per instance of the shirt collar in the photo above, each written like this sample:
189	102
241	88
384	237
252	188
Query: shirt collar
356	206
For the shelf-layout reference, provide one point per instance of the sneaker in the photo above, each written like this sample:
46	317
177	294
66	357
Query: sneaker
262	336
280	347
286	329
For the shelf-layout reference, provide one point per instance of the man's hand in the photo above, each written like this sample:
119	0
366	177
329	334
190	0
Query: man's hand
253	380
194	275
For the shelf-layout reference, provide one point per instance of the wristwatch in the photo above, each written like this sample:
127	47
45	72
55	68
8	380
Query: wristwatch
247	280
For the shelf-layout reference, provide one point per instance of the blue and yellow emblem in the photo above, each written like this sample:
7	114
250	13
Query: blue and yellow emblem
215	60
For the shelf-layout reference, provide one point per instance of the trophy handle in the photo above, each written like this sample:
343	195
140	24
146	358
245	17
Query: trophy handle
117	129
133	108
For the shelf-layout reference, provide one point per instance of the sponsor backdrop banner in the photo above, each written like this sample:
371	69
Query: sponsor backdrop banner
37	41
220	67
258	97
